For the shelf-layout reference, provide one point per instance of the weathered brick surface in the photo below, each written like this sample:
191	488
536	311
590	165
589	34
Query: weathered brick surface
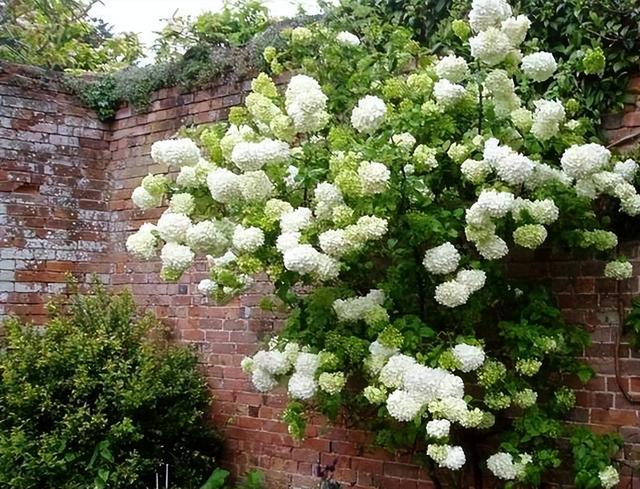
54	190
65	185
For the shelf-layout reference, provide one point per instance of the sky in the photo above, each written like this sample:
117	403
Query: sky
145	16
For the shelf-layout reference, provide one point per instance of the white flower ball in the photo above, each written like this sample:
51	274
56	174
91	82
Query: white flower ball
207	286
173	227
442	259
369	114
188	177
176	257
374	177
307	363
262	380
303	259
328	268
175	152
142	243
302	387
333	242
392	374
492	248
475	171
548	116
404	140
182	203
247	240
452	68
580	161
306	103
255	186
252	156
539	66
348	38
452	294
491	46
447	93
273	362
626	169
501	465
287	241
207	237
473	279
470	357
402	406
296	220
609	477
438	428
144	200
224	185
488	13
516	28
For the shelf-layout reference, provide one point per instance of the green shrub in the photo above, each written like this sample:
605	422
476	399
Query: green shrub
98	398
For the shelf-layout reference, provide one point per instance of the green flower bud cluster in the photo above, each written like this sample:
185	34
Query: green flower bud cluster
599	239
156	185
528	367
491	373
530	235
391	337
497	400
594	61
525	398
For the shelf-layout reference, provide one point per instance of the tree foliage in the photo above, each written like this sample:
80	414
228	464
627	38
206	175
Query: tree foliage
61	35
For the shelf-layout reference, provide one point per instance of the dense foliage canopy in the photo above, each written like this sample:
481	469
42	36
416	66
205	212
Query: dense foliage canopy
97	398
381	191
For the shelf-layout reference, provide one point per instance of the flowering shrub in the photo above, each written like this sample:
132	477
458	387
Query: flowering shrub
380	193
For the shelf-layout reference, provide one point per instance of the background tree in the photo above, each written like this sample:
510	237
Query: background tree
61	35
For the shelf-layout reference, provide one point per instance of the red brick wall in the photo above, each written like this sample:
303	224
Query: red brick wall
65	185
54	190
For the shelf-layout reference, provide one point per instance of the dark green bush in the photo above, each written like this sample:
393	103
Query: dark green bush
98	398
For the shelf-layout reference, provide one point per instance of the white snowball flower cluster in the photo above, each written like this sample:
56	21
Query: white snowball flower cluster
306	104
516	28
327	197
609	477
374	177
144	200
476	171
504	467
626	169
491	46
618	270
224	185
404	140
369	114
247	240
541	211
452	294
446	456
438	428
143	243
582	161
447	93
469	357
502	89
251	156
255	186
488	13
442	259
511	167
176	257
452	68
173	227
547	118
208	237
303	259
357	308
539	66
175	152
480	228
348	38
296	220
